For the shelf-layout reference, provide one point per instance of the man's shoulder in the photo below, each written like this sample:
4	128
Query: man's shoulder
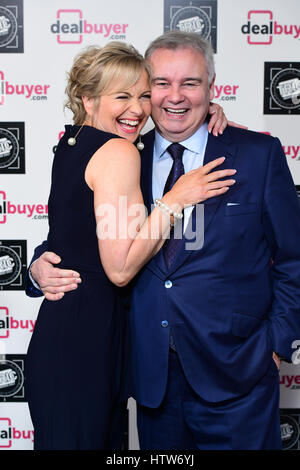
149	136
238	134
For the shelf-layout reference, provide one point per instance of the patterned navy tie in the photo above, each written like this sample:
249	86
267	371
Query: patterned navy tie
172	244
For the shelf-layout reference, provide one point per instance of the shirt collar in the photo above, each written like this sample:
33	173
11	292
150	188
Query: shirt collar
194	143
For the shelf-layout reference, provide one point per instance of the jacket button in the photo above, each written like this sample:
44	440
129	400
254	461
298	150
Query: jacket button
168	284
164	323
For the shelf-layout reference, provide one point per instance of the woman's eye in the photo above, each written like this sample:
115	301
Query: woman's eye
122	97
148	96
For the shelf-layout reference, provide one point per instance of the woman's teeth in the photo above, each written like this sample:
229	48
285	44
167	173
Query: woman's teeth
129	123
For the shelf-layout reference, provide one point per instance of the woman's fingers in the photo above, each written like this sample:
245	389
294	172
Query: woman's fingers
217	192
219	184
211	165
218	121
216	175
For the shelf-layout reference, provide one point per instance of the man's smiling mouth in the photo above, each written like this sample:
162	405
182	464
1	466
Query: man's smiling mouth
175	111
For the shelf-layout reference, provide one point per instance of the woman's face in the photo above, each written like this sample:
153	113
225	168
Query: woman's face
122	112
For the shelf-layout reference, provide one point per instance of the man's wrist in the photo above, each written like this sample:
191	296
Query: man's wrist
36	285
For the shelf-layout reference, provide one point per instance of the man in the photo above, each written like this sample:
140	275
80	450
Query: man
205	324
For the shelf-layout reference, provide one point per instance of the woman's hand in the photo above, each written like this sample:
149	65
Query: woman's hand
199	185
276	359
218	121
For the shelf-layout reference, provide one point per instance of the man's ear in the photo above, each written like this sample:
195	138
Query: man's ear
212	88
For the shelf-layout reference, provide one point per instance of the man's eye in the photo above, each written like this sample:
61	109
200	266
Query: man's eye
122	97
147	96
161	84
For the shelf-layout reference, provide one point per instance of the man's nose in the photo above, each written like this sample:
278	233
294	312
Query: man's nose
175	95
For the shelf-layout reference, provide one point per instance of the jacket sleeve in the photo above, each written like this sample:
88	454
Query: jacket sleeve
282	227
30	289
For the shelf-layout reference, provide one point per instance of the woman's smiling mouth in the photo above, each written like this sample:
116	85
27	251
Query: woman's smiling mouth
129	125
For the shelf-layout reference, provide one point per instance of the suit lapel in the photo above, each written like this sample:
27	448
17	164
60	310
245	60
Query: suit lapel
146	169
221	146
157	264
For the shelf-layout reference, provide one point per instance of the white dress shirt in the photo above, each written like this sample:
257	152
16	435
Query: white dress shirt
192	158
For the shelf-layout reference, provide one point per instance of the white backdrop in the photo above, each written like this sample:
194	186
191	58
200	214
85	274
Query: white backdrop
258	68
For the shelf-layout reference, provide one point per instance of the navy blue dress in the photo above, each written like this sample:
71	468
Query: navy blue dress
74	367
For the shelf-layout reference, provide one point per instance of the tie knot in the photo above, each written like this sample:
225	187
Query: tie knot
176	150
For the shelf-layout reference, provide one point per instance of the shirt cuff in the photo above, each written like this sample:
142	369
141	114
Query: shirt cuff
36	285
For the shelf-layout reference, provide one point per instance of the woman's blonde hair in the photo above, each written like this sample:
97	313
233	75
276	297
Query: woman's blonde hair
97	69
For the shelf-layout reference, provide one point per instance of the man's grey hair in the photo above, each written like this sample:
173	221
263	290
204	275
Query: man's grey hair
176	39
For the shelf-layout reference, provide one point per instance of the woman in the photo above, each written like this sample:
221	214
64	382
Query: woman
74	364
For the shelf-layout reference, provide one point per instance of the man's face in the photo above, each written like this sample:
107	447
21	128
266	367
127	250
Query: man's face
180	93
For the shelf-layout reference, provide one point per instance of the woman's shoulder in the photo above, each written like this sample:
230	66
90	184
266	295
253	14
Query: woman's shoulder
117	148
118	159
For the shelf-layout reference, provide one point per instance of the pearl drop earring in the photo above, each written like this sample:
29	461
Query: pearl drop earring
140	144
72	140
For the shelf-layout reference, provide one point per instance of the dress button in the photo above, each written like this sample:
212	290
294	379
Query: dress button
168	284
164	323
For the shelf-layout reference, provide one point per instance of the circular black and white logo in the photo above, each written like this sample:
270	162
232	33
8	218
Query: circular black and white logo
11	378
285	88
289	431
8	27
9	148
10	265
192	19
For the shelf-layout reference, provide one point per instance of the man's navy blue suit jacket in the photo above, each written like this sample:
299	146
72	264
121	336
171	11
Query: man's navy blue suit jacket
233	301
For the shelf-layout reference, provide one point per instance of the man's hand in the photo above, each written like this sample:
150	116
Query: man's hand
277	360
53	282
218	121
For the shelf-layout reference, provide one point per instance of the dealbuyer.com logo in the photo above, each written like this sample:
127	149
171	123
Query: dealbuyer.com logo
71	26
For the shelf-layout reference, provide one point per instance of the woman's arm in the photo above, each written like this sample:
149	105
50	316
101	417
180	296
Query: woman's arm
127	238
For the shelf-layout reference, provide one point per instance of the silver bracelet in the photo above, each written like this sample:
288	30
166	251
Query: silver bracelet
163	206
